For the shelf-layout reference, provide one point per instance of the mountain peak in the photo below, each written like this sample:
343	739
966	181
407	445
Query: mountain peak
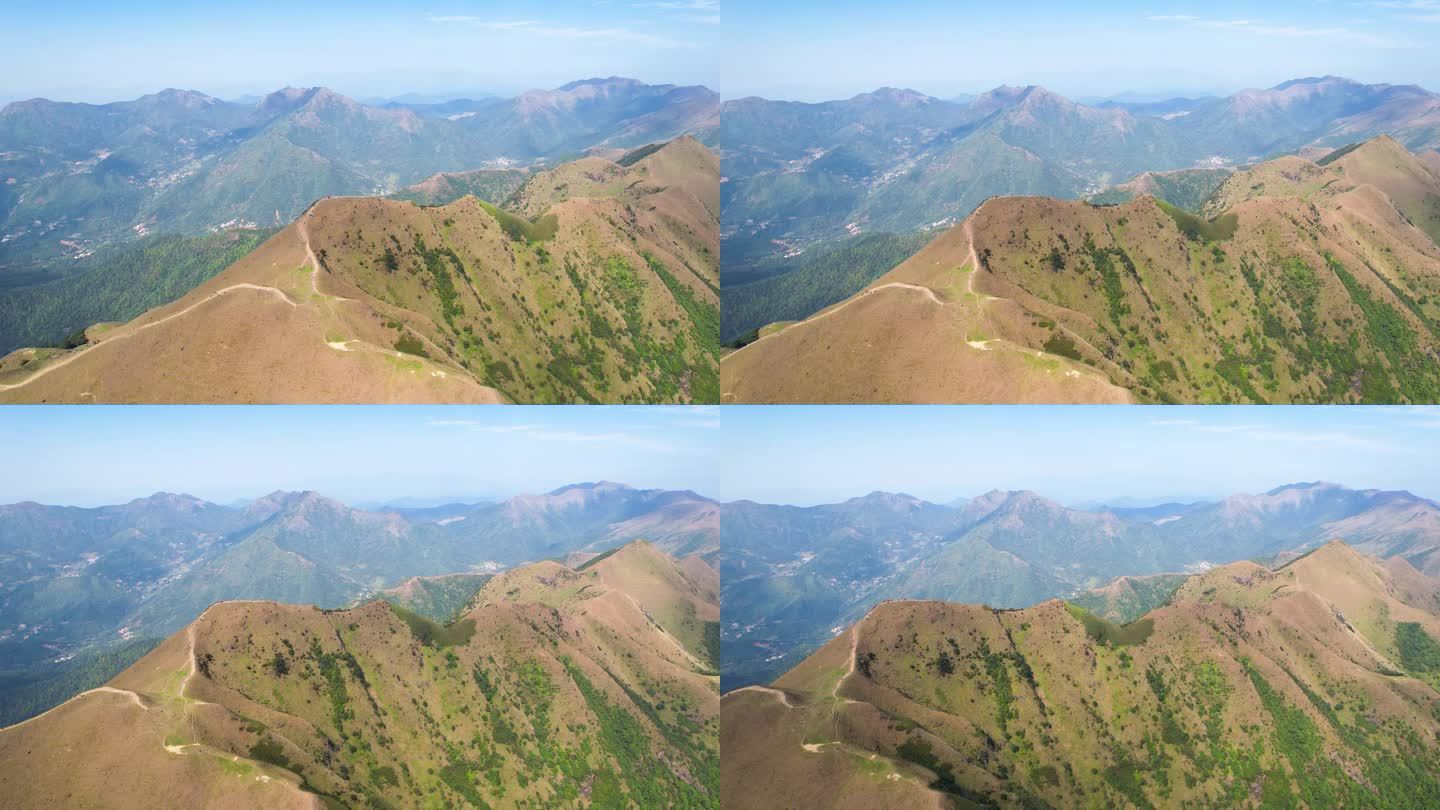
284	100
289	99
1314	80
893	500
1305	486
187	98
895	95
611	81
590	486
171	500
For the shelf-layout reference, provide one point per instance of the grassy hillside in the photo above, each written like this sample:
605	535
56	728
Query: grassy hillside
491	185
814	283
517	704
603	298
438	598
1189	189
83	176
1297	283
1240	693
118	285
1128	598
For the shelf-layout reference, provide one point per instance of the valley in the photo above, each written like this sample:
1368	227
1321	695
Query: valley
88	591
80	176
815	185
556	686
599	285
1250	686
1296	282
794	578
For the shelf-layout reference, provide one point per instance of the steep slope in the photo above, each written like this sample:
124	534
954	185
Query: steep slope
491	185
1125	599
82	175
84	591
1308	284
438	598
795	577
804	179
521	702
1251	688
370	300
1189	189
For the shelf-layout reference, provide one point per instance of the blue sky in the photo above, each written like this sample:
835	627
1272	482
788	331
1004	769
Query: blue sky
1076	454
810	50
97	455
88	50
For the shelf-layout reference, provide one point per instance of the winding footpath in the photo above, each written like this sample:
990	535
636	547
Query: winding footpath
133	696
107	341
983	345
302	229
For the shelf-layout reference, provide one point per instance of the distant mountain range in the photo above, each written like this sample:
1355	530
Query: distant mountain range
1312	684
555	687
595	282
75	177
794	576
802	178
1298	281
78	582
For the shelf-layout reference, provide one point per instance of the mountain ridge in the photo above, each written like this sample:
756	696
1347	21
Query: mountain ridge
588	657
942	700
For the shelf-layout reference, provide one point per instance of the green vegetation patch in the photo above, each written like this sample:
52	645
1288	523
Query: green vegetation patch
520	229
1339	153
636	155
1109	633
269	750
1418	651
410	344
1061	344
1197	229
1419	379
434	634
650	782
117	285
27	692
818	279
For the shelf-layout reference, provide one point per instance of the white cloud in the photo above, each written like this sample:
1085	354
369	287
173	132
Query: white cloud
1264	28
1265	433
537	28
542	433
682	5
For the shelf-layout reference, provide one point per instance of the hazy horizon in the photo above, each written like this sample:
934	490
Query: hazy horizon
364	49
1075	454
96	456
809	51
1125	95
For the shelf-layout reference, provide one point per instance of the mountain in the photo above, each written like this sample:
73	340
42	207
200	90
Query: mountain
1189	189
438	598
566	692
82	175
1307	685
81	582
1300	283
803	180
494	186
1125	599
793	577
597	293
